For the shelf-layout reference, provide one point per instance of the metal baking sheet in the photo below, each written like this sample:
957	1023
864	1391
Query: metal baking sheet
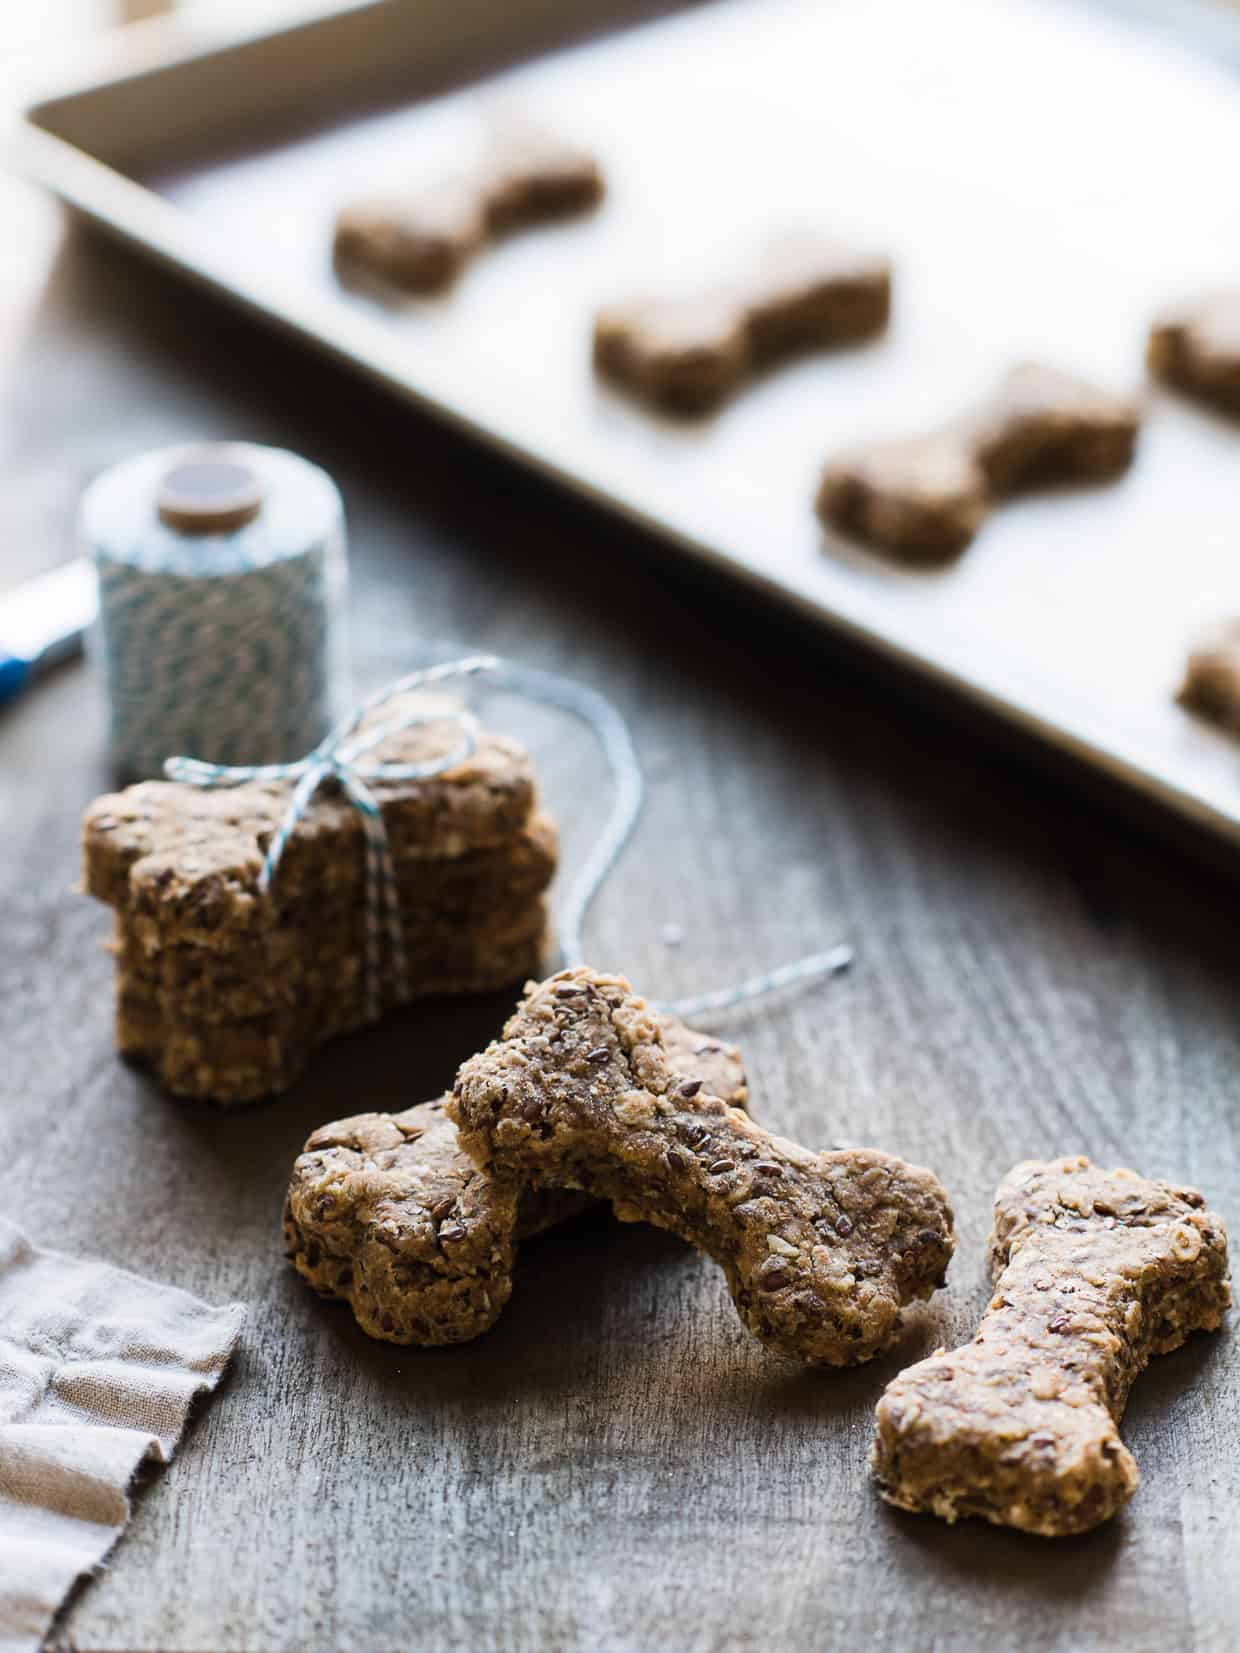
1044	173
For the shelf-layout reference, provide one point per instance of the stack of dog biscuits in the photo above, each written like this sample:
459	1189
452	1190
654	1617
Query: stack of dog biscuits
224	987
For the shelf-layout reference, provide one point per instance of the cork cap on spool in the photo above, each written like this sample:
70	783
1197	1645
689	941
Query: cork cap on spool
209	492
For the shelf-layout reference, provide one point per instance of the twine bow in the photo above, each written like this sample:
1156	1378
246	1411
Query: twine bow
338	758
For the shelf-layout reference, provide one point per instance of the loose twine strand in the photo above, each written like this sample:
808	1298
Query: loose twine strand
339	758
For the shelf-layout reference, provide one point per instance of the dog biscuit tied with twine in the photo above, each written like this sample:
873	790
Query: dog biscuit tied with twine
262	909
221	582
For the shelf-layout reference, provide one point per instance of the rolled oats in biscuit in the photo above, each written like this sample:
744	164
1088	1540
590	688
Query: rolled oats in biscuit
923	499
386	1212
688	353
1195	347
1211	685
1095	1271
421	242
820	1251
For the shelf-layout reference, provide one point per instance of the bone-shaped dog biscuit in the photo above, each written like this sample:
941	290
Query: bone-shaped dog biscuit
1095	1271
687	353
1211	685
387	1212
422	242
1196	348
820	1250
924	498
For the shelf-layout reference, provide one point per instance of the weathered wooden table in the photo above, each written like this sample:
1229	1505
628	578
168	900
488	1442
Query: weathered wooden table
616	1466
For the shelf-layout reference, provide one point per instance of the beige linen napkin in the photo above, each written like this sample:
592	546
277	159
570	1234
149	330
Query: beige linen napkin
98	1370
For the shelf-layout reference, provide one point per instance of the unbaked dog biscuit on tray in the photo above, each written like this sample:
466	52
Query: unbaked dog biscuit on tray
922	499
686	353
1095	1272
820	1250
387	1212
1195	348
1211	685
420	242
532	176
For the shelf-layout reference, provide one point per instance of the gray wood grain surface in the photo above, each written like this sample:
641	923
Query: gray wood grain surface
616	1466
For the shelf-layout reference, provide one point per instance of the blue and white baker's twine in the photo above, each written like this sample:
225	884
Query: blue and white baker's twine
237	667
339	758
220	644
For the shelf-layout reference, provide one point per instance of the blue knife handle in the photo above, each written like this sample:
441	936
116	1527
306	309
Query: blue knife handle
14	674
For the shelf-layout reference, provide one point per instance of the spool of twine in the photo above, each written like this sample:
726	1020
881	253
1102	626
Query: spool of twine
221	586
